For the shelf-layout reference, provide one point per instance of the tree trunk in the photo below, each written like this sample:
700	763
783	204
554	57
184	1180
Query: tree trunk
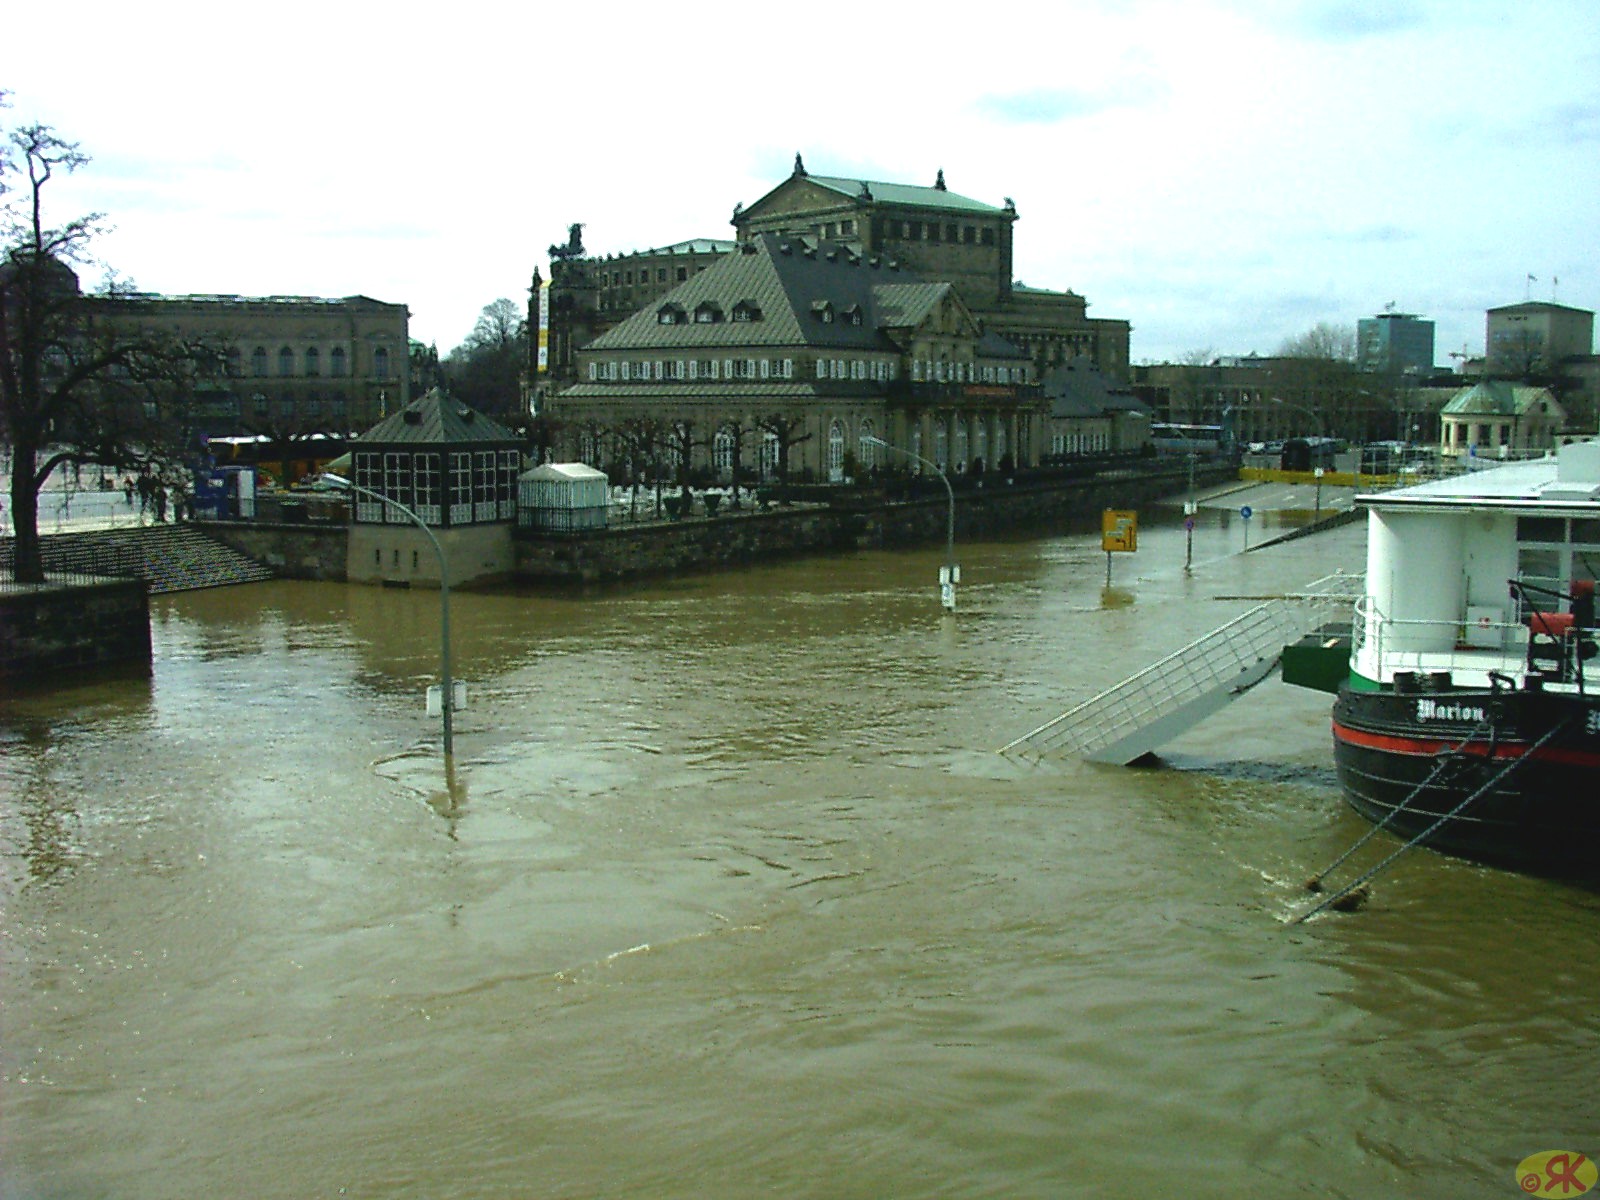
28	565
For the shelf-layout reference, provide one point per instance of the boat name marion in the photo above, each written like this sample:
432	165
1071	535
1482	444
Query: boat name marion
1432	710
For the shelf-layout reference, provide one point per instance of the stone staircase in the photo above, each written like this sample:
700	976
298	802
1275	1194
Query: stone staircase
171	558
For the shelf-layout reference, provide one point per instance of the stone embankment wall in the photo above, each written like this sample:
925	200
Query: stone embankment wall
293	550
313	549
49	631
854	522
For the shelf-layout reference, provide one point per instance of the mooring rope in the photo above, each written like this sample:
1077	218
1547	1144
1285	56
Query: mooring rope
1498	777
1444	760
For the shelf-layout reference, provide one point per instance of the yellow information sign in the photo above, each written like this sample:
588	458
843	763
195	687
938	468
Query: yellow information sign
1119	530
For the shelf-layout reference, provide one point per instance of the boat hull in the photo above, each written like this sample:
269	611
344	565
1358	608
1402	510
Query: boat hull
1407	759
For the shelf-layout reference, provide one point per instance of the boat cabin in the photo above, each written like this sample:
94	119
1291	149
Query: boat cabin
1487	576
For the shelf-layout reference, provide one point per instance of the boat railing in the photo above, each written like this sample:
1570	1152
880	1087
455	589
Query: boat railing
1467	648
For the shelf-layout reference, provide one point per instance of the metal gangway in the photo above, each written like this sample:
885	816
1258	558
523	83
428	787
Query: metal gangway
1147	710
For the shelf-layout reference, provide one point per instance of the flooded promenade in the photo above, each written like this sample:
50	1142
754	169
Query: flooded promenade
733	896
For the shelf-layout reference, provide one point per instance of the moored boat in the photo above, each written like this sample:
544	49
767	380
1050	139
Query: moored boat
1469	718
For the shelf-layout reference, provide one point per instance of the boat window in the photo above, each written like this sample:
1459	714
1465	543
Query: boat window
1586	531
1541	529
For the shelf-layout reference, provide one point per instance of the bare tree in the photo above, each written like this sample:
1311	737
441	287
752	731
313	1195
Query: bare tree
785	430
80	383
485	371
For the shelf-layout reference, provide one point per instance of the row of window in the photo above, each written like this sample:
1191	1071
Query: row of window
707	312
931	231
872	370
482	485
309	364
626	278
939	371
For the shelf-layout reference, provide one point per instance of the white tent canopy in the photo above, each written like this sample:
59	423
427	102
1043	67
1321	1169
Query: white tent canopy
563	496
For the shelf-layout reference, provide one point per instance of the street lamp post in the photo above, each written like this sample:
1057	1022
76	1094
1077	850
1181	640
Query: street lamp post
951	575
447	696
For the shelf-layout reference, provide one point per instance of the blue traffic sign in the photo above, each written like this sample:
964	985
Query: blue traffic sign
1247	512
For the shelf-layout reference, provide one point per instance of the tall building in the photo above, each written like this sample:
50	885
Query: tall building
1395	343
942	235
1536	337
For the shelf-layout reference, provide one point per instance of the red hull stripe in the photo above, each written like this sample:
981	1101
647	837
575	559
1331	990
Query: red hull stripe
1401	744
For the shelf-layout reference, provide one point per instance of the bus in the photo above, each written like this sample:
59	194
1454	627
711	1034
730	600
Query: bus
1209	440
1308	453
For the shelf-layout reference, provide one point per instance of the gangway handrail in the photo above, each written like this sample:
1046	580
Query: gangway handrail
1205	663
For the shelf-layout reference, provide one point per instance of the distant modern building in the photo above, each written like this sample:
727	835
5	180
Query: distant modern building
1536	337
790	357
1498	419
1395	343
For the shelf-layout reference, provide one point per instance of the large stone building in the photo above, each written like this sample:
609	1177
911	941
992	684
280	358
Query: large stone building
1535	338
791	357
932	231
287	365
943	235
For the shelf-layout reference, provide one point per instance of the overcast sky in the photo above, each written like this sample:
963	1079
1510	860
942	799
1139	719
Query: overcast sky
1223	174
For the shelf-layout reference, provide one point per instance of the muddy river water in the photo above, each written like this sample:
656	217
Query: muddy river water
731	895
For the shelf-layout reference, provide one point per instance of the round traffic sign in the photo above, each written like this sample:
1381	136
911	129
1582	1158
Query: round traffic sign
1247	512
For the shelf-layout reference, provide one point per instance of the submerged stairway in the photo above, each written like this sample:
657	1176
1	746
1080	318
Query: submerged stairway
1147	710
171	558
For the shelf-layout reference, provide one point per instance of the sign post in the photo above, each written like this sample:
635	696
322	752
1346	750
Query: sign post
1189	510
1119	534
1247	512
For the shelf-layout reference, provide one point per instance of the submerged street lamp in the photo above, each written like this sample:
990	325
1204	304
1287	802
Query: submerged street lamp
447	695
950	573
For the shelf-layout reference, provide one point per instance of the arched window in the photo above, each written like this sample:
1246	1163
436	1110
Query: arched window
836	452
285	361
723	447
981	449
961	445
313	361
338	366
941	444
258	361
380	362
769	455
866	449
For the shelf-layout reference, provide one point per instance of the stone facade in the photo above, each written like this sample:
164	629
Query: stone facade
60	629
942	235
286	364
788	359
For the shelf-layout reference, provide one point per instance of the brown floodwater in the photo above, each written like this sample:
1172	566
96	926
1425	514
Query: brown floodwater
731	895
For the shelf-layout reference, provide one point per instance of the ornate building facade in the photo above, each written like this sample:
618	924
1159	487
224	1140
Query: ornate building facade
792	357
288	365
942	235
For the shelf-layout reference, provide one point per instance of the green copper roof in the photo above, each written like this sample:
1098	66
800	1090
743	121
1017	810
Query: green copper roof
907	194
1496	398
436	420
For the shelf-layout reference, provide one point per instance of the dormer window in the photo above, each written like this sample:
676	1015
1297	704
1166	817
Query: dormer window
822	310
852	315
708	313
670	314
747	310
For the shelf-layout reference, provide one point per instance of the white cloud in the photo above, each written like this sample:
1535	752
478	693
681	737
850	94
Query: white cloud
1221	174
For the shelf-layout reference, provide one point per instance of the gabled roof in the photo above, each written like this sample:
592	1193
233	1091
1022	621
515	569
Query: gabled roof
437	420
1078	388
795	287
1497	398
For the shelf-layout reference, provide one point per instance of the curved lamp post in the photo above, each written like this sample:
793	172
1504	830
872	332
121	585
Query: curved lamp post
951	573
447	695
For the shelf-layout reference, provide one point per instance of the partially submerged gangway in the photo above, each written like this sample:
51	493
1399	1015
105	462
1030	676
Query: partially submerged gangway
1144	712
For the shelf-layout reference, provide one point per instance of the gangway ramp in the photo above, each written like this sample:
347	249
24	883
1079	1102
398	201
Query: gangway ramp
1145	711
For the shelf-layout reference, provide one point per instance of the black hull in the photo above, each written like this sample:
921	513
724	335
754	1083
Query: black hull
1409	759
